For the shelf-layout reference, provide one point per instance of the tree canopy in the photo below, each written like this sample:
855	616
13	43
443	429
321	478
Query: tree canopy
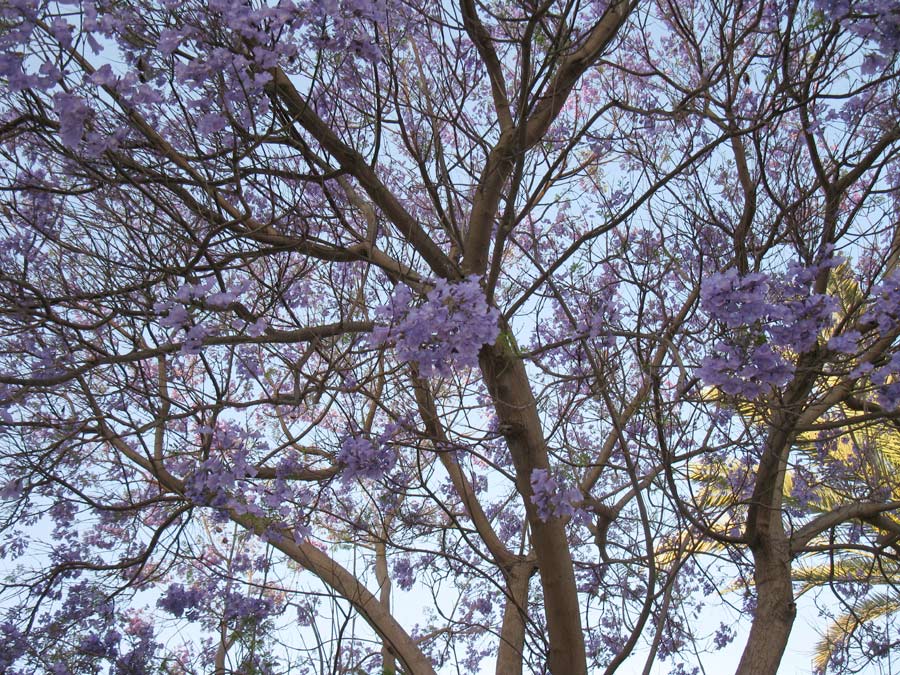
448	336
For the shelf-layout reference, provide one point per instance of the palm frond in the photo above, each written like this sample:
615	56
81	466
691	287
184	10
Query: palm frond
836	635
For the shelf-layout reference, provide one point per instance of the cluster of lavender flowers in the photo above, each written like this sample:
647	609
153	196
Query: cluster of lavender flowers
191	603
448	329
175	313
88	621
349	20
765	318
885	313
361	457
549	497
273	34
874	20
213	481
768	321
403	573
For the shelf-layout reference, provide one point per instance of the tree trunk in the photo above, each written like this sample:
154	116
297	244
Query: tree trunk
775	609
512	634
389	663
505	375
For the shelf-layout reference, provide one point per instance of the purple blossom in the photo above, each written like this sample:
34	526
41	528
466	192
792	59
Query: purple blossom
103	76
796	322
550	499
240	607
73	115
189	292
745	372
845	343
169	40
448	329
179	601
13	644
221	300
736	300
210	124
403	573
361	458
762	314
803	488
885	311
193	340
12	489
875	20
256	328
173	316
887	380
211	482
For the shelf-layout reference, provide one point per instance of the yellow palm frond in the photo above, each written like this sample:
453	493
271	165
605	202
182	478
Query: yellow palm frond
835	635
855	568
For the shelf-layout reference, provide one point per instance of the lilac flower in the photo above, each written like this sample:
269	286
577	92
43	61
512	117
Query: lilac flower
403	573
12	489
256	328
189	292
449	328
13	644
103	76
244	608
803	487
763	313
221	300
887	380
193	340
875	20
549	497
93	645
885	311
744	373
211	482
169	40
178	601
797	322
361	458
210	124
845	343
174	316
73	115
735	300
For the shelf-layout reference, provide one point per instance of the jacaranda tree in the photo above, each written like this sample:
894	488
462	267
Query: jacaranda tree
448	336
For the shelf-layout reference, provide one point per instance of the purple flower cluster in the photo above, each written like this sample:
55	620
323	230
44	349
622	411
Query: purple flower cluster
349	19
239	607
875	20
210	484
743	371
95	645
765	319
190	602
175	313
448	329
361	458
724	636
73	114
736	300
551	500
884	315
885	311
887	381
13	644
179	601
403	573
